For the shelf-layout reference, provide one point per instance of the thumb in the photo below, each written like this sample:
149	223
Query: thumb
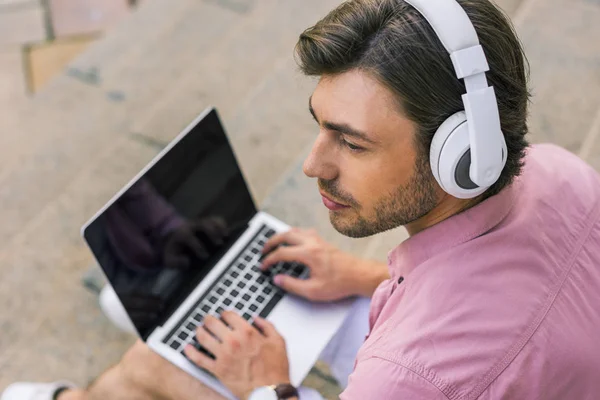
300	287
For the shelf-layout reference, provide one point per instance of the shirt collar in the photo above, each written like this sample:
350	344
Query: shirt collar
458	229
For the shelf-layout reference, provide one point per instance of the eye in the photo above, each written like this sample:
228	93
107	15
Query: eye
351	146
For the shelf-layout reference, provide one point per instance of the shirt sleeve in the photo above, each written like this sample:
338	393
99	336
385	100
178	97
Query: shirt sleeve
376	378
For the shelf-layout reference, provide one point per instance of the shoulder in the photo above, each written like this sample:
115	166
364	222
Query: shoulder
554	172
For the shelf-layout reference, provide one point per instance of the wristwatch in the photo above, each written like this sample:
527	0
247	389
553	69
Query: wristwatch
274	392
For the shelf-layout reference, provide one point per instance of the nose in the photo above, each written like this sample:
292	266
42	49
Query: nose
320	163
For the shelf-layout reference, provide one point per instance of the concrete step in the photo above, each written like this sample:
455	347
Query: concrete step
78	151
78	17
79	142
21	22
71	121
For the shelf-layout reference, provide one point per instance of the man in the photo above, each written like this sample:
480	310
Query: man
492	297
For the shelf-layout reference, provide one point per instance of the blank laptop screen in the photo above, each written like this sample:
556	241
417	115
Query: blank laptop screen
161	237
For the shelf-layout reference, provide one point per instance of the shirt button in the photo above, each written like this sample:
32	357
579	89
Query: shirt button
400	280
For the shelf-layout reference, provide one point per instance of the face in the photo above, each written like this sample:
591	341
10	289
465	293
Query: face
369	172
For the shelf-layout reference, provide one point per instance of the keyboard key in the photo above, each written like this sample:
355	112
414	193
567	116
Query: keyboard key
253	307
241	285
253	288
239	305
255	268
190	327
260	299
206	308
240	266
261	279
220	310
175	345
269	232
246	297
227	282
227	302
198	317
248	276
235	293
268	306
267	273
247	258
213	299
220	291
254	250
235	274
246	316
267	290
182	335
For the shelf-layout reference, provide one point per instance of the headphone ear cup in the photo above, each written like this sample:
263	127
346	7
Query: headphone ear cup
448	153
441	136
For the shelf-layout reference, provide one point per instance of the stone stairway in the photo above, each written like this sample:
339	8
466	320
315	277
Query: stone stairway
91	129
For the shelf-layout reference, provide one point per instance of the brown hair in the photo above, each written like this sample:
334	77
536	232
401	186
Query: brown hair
393	42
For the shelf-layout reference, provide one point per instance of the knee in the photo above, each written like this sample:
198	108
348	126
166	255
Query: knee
140	365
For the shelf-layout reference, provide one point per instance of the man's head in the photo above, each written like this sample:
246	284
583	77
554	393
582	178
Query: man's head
386	85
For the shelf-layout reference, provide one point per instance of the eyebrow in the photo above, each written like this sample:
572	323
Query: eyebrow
341	128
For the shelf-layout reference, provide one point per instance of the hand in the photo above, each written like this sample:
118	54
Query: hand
334	274
247	356
194	242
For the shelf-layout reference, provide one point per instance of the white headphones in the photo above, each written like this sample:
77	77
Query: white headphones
468	151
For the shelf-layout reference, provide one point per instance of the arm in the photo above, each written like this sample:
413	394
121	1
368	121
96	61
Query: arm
334	274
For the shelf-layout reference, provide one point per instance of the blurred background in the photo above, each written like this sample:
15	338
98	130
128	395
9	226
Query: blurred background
91	90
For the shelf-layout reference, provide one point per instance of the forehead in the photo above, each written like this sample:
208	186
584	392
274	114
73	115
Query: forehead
360	101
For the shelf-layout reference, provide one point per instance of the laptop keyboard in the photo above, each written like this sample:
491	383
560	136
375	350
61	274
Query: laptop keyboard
243	288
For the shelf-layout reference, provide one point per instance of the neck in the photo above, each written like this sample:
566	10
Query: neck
446	208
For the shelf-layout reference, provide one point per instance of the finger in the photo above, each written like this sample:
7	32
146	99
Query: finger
200	359
293	237
300	287
208	341
267	328
234	320
285	254
216	327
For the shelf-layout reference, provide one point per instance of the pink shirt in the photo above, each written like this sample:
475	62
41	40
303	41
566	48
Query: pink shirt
499	302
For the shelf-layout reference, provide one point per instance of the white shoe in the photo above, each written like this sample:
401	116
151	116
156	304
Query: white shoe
33	391
114	310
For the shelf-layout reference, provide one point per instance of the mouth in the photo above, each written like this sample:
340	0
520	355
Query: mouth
332	205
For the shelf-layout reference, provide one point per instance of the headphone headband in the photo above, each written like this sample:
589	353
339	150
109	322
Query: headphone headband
456	32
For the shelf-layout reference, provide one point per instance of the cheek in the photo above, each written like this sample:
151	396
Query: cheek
371	180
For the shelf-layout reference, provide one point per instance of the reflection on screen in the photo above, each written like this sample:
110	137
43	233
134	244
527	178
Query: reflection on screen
159	239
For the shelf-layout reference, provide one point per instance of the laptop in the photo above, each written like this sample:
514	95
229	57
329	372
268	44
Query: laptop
183	240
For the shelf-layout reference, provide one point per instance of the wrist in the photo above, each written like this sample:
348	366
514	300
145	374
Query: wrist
271	381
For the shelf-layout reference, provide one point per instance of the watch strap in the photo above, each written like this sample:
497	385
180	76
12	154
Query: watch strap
286	391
